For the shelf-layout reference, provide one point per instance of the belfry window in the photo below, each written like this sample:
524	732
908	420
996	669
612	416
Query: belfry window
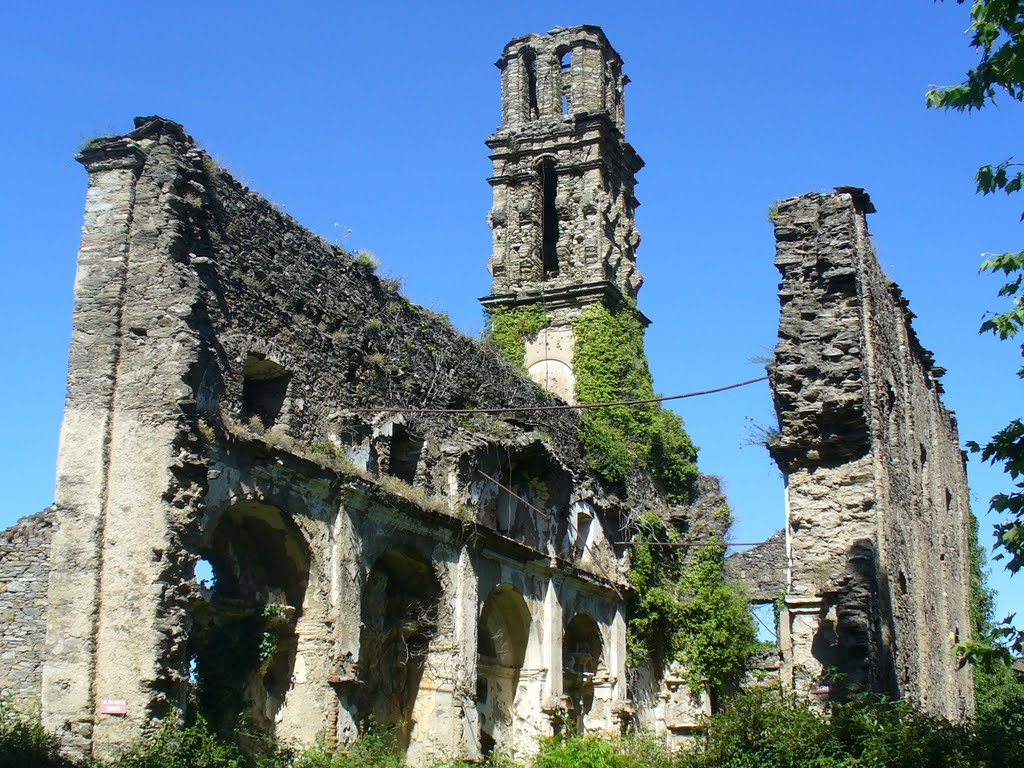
530	66
549	218
566	64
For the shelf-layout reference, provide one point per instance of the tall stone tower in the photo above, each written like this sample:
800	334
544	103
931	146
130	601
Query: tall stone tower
563	213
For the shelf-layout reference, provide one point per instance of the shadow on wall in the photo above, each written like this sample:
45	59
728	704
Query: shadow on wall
244	642
853	641
399	620
502	639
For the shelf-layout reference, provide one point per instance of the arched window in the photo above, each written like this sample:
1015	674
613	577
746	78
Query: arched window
549	217
565	61
530	68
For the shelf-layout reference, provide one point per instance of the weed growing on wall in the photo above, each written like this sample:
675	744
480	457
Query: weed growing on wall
509	328
611	366
682	609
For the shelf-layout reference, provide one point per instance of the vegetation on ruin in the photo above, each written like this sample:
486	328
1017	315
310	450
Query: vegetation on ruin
998	689
997	34
611	366
760	728
682	608
509	328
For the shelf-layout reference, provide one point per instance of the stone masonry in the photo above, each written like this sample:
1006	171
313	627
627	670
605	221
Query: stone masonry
563	216
230	381
24	571
876	488
249	400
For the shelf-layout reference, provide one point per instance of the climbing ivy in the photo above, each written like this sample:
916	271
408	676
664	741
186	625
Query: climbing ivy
611	365
682	608
509	327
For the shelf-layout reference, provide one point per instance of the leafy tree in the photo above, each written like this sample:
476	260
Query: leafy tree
997	34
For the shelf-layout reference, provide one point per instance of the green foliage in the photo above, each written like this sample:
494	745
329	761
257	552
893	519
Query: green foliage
194	746
510	327
24	742
997	35
682	608
367	260
1000	715
377	748
611	366
277	618
765	728
636	751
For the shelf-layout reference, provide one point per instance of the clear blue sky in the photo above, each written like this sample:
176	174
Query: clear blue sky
370	117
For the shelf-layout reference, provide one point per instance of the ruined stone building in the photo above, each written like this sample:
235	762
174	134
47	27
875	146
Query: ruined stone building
244	394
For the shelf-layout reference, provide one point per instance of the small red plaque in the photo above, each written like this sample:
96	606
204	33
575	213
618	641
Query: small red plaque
821	690
114	707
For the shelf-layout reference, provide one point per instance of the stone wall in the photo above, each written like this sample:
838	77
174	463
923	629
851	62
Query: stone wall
762	568
876	487
231	381
24	571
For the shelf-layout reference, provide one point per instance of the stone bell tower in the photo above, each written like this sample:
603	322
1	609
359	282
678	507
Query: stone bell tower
563	212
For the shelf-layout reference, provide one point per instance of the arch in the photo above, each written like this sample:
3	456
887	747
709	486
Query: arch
582	651
400	604
555	376
503	636
243	645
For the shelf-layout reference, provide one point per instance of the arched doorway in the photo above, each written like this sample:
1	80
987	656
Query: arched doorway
399	619
243	642
582	661
502	639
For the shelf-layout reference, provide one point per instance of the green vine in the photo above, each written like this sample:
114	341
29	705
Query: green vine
682	608
509	328
611	365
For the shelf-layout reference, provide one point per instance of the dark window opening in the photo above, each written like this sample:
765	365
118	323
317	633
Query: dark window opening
404	455
566	64
549	218
264	387
530	65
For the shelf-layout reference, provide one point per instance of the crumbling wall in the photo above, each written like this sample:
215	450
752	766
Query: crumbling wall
230	381
762	568
875	483
24	571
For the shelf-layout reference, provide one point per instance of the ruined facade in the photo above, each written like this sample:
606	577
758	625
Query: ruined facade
245	398
876	488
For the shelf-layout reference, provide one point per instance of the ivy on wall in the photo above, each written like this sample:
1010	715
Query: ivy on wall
509	327
611	365
682	608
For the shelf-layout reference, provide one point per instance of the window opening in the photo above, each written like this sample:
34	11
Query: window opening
530	65
549	218
404	455
264	387
566	64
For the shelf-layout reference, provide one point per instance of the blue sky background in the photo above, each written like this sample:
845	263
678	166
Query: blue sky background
366	122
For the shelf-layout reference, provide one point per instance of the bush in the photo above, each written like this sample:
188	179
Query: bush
377	748
24	743
193	746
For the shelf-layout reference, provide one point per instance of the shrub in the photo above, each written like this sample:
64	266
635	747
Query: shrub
377	748
24	742
194	746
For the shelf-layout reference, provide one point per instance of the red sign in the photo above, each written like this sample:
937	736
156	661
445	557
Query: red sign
114	707
821	690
